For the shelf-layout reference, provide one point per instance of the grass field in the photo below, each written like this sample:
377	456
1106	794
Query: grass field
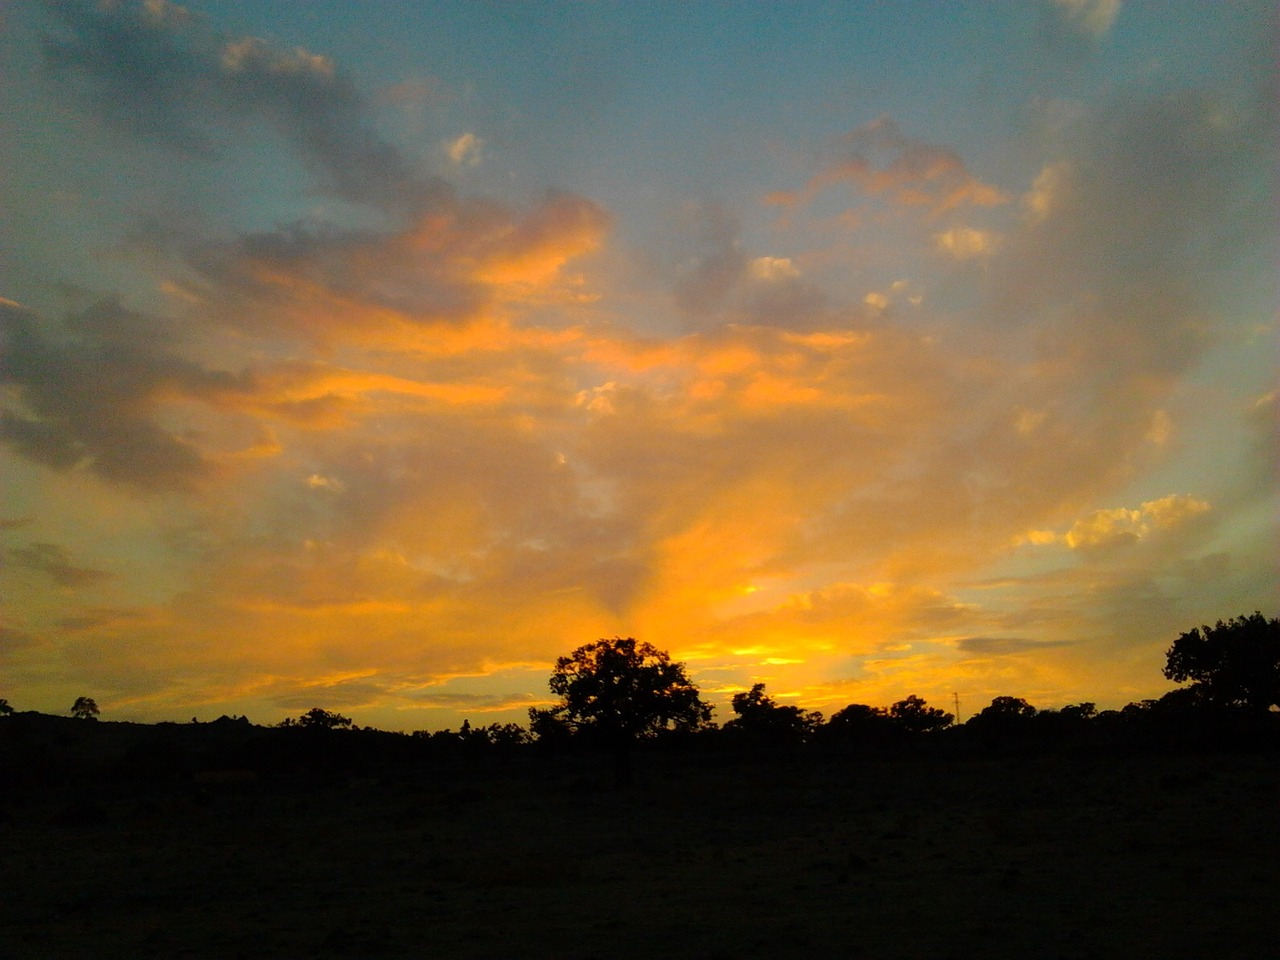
1056	858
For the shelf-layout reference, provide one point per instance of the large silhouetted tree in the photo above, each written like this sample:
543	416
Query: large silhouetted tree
85	709
621	690
1236	663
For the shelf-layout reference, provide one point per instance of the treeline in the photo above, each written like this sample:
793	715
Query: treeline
41	751
620	696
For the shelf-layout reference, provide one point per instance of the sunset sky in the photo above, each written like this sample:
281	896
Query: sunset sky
370	356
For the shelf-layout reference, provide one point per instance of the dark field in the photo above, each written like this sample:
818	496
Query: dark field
1070	858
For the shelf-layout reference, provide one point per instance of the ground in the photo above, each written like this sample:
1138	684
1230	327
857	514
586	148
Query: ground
710	858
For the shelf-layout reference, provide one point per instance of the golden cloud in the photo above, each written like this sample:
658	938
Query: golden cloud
1104	529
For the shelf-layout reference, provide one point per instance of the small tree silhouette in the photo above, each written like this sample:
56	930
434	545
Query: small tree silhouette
85	709
5	709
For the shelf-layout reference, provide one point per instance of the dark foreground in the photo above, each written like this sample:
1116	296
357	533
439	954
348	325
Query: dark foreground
1046	858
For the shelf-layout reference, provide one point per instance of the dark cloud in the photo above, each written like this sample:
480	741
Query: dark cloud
1004	646
92	618
12	639
715	262
1131	230
347	693
54	562
85	395
1262	421
479	702
157	72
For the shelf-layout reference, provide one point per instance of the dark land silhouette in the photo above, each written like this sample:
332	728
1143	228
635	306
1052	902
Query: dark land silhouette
882	831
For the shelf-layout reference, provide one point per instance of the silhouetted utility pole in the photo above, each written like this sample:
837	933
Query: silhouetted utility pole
955	698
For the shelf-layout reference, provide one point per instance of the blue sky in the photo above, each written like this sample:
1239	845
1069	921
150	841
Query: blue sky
371	356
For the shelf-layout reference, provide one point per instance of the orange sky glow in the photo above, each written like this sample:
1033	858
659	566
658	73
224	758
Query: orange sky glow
375	382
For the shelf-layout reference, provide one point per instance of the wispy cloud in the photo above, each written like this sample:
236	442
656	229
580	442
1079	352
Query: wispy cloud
54	562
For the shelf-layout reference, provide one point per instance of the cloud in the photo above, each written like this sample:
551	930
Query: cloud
1116	527
443	427
96	618
157	72
12	639
85	395
465	151
773	268
1005	646
966	243
479	703
1093	17
715	264
54	562
462	260
880	160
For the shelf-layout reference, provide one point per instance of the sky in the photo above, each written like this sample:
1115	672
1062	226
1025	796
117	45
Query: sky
371	356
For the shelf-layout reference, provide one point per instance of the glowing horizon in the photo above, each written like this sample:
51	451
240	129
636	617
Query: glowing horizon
371	363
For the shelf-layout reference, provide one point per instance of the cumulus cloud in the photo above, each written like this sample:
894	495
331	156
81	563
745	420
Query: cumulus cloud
1116	527
967	243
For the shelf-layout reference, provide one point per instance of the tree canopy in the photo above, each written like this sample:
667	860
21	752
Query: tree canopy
623	689
914	715
85	708
317	718
1233	663
761	718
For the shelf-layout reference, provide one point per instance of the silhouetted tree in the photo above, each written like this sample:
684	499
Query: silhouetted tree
548	726
1233	664
621	690
5	709
1007	720
1079	711
85	709
760	718
1007	708
914	715
319	719
506	737
861	726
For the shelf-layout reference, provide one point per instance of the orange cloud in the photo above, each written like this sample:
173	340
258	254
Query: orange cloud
461	262
911	173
